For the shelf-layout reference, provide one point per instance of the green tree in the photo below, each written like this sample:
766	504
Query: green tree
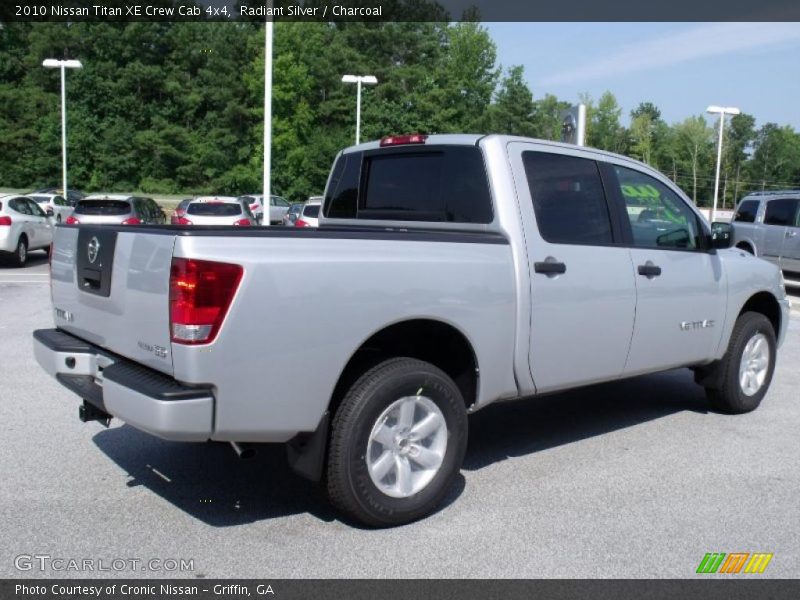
513	110
694	141
605	131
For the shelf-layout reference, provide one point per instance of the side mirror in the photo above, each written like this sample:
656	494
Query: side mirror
721	235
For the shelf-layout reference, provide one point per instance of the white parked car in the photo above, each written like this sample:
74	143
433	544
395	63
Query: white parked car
23	227
54	205
278	207
310	215
217	210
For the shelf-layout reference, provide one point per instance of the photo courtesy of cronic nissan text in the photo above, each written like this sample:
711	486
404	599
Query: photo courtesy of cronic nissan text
379	299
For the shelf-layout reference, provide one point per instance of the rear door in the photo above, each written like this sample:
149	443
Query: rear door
41	224
583	295
27	224
778	216
680	285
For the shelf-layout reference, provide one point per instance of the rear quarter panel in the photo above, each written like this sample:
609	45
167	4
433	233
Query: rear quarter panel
307	303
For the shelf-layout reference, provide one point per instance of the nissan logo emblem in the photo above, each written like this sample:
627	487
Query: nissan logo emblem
93	249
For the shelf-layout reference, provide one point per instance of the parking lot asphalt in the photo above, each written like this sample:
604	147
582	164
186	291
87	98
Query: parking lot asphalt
630	479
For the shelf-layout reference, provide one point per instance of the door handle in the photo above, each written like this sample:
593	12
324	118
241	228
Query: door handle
550	267
649	270
791	233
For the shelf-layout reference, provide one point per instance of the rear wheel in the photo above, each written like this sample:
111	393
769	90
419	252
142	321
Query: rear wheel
20	256
747	367
397	443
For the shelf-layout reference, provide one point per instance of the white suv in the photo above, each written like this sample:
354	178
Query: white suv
23	227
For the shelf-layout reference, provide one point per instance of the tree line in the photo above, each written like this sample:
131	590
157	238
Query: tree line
178	107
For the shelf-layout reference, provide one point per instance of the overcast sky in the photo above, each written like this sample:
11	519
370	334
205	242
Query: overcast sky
680	67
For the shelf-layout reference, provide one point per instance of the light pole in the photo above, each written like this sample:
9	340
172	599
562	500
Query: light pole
52	63
267	192
721	111
358	80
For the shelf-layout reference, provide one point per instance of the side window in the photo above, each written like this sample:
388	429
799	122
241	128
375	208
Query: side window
781	212
568	199
36	211
747	211
341	196
141	209
20	205
278	201
155	209
659	218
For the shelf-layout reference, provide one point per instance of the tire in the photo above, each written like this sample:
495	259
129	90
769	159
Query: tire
376	479
20	256
58	219
739	392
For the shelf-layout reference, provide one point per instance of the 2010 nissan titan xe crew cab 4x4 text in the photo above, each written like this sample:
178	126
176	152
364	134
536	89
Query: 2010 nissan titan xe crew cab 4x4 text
449	272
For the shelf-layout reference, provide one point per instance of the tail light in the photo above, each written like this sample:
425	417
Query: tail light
71	220
300	223
402	140
254	207
243	223
132	221
181	221
6	221
200	293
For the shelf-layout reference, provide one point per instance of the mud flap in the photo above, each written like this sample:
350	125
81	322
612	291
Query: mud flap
306	451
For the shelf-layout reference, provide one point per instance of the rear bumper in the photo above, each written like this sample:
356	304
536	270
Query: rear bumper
142	397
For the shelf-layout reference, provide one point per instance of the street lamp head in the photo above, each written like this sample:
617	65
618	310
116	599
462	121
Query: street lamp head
723	110
368	79
52	63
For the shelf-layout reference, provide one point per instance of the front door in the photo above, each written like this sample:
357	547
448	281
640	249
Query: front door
680	285
582	291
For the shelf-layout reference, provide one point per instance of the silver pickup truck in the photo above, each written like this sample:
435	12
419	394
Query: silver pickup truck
449	272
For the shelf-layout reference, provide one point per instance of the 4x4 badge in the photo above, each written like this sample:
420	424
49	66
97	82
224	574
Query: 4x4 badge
93	249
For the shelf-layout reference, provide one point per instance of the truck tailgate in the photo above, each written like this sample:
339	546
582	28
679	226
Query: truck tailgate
110	287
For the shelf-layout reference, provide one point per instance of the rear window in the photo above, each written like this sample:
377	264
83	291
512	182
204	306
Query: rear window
214	209
568	199
311	210
747	212
102	207
781	212
440	183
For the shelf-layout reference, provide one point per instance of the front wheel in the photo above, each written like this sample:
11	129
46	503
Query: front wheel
397	443
747	366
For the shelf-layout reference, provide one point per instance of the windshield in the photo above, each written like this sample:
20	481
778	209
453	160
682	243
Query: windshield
102	207
214	209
